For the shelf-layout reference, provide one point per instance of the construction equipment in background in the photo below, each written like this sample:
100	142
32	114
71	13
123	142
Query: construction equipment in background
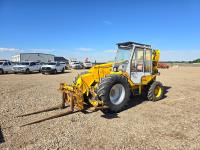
108	87
163	65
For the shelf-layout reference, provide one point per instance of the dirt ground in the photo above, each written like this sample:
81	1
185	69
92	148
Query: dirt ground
171	123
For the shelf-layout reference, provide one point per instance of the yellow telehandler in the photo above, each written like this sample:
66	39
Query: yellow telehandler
108	87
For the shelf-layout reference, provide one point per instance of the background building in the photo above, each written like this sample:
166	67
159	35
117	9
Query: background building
40	57
61	59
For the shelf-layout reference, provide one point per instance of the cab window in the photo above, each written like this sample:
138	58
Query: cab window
147	67
137	64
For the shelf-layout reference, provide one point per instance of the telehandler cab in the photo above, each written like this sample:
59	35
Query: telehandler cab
109	86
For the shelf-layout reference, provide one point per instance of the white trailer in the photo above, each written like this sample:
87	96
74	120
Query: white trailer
36	57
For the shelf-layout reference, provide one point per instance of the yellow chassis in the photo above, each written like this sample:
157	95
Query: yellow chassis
87	83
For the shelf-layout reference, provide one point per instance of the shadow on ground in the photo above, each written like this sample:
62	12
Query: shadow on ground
63	72
134	101
58	73
166	90
23	73
1	137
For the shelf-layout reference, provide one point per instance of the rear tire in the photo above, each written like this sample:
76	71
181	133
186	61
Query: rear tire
114	91
156	91
1	71
27	71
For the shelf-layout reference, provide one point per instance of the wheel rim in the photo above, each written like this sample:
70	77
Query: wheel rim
117	94
157	91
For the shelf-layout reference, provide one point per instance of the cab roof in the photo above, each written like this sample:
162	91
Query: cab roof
130	44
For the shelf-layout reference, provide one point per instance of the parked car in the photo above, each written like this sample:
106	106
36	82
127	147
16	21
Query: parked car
76	65
63	64
52	67
27	67
71	62
5	66
87	65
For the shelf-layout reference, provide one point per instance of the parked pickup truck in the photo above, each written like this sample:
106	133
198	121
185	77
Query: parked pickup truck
27	67
64	64
5	66
52	67
87	65
76	65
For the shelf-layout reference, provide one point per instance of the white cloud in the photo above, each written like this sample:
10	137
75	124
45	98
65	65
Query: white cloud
40	50
110	51
107	22
45	50
83	49
8	49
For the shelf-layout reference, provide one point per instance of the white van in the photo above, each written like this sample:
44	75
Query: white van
5	66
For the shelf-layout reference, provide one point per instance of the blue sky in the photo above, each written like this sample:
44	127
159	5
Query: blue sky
91	28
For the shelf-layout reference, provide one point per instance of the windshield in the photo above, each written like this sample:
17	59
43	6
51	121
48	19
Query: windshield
123	56
1	63
24	63
122	59
52	63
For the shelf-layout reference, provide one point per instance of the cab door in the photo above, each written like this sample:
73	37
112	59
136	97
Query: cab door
140	64
137	65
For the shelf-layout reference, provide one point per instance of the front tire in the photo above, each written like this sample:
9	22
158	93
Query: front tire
55	71
156	91
114	91
1	71
63	70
